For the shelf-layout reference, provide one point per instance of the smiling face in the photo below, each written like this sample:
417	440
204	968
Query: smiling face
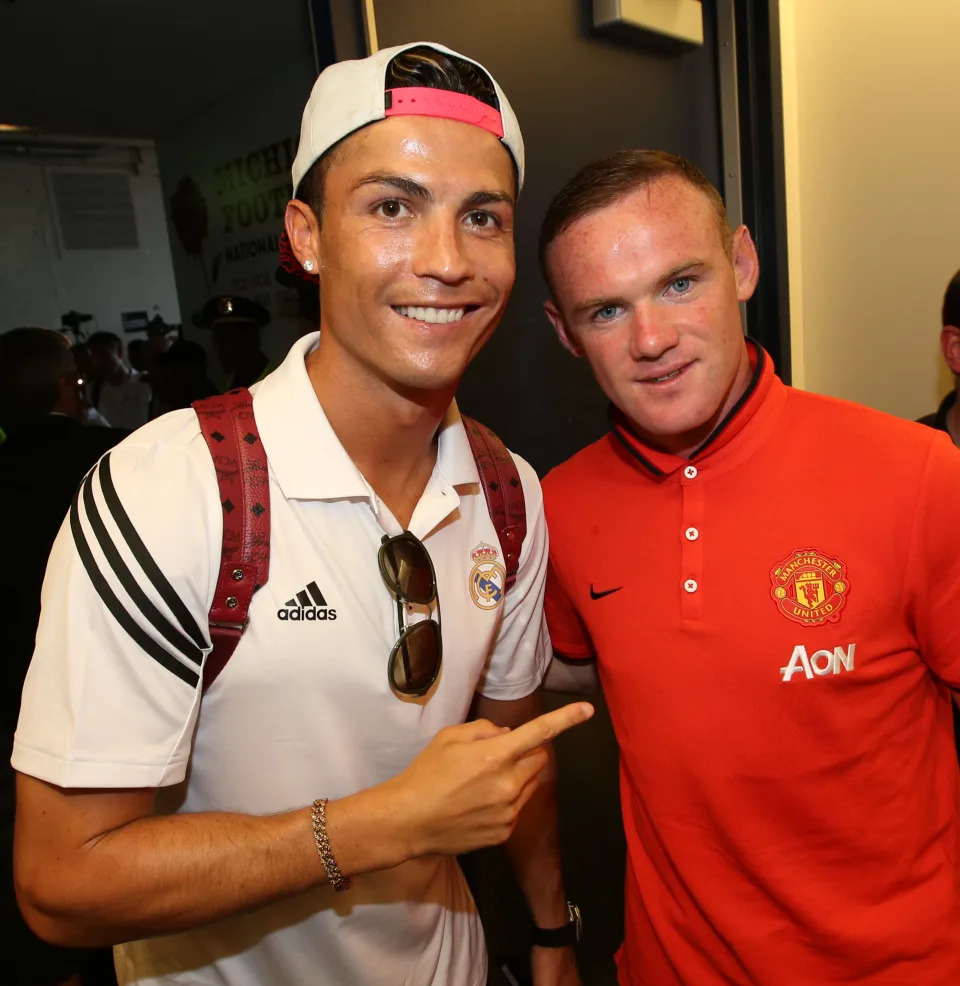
646	291
414	251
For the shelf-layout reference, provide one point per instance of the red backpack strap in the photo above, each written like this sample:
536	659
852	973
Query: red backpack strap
230	431
504	492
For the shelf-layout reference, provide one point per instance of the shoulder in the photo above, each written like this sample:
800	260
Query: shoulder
162	464
853	430
582	474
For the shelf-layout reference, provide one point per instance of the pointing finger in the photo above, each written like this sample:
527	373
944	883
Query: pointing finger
544	728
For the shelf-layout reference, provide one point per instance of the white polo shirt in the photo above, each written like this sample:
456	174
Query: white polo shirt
304	709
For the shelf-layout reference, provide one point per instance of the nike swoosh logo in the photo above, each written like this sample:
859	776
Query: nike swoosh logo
606	592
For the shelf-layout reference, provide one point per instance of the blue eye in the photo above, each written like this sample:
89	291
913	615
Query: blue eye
606	313
683	284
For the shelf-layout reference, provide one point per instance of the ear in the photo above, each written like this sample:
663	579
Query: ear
950	346
69	400
303	231
566	337
746	263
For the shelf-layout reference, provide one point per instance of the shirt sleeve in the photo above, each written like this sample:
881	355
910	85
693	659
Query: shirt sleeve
113	690
570	638
521	654
933	583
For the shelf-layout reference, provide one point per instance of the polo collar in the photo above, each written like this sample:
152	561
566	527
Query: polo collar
660	464
305	455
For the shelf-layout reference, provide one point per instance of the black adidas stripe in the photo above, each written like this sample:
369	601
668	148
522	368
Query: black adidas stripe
159	622
113	604
144	558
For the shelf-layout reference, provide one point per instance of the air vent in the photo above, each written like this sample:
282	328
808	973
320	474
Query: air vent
94	210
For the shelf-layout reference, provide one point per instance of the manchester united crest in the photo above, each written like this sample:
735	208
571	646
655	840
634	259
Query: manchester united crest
487	577
809	587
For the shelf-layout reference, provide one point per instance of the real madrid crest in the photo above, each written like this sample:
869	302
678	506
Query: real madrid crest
487	576
809	587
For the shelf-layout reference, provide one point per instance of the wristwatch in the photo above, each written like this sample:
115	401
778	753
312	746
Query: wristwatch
567	934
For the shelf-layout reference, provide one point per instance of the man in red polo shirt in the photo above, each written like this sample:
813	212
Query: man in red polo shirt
769	582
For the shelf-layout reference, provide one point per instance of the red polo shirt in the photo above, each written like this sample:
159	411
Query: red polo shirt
775	622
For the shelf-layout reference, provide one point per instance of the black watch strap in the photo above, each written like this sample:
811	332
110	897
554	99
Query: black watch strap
567	934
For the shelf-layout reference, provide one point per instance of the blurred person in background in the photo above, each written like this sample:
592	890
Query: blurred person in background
947	417
180	377
119	393
236	323
42	462
138	356
89	415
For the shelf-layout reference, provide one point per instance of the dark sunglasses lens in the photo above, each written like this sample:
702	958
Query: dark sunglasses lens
415	660
408	566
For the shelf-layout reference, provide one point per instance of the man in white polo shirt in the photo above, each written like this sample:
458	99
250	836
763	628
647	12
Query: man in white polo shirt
180	827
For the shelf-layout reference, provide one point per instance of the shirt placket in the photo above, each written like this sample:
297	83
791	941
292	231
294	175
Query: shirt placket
691	543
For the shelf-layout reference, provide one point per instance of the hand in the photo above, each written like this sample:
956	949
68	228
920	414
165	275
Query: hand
466	789
554	967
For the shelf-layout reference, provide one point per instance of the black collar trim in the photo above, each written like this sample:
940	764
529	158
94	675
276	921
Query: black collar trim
639	456
744	397
712	437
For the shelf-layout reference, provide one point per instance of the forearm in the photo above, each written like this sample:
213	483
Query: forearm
97	867
534	851
159	875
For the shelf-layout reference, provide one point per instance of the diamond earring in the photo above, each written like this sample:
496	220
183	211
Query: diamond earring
308	265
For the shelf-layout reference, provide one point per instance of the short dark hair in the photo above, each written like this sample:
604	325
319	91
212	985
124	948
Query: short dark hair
951	302
611	178
104	338
32	362
422	67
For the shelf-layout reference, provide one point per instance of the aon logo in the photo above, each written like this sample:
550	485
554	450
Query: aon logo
820	662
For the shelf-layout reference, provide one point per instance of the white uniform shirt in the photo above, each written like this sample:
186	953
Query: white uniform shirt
304	708
125	404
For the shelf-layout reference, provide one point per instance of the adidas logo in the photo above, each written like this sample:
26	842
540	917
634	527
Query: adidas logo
308	604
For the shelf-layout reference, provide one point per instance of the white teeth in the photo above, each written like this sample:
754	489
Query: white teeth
667	376
438	316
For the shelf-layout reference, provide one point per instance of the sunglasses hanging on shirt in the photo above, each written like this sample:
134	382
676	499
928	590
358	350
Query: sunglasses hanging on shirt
407	571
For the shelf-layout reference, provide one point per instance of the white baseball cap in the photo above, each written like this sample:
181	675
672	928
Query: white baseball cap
349	95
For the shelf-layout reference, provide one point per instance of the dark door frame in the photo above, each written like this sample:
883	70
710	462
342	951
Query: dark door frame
751	113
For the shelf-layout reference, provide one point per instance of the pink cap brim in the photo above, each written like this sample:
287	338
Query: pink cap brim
414	101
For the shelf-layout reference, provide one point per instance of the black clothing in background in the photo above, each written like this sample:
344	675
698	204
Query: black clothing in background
41	466
938	420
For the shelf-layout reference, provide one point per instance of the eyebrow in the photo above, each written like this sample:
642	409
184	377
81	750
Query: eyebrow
417	191
488	198
407	185
688	267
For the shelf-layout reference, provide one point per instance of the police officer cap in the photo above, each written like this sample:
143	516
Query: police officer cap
231	309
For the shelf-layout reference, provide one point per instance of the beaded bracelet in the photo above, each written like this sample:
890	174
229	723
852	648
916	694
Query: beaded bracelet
318	816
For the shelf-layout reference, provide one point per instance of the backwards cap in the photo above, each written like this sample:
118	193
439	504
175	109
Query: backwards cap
349	95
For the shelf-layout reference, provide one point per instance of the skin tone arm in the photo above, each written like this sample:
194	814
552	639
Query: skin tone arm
534	848
574	677
96	868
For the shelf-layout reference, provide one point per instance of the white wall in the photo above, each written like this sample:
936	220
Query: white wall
39	281
872	141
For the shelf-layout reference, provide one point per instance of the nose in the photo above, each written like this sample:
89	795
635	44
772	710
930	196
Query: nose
440	251
652	333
